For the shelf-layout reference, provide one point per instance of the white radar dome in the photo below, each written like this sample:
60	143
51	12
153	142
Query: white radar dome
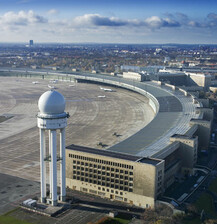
51	102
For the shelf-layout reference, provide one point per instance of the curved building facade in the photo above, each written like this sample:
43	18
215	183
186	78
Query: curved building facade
140	168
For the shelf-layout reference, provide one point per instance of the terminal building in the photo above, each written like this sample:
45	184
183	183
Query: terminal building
139	169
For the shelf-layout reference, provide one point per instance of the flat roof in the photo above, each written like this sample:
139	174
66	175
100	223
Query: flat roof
102	152
116	155
175	112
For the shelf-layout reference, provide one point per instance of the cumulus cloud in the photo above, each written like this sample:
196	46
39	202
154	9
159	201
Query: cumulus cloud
21	18
153	22
52	12
99	24
157	22
98	20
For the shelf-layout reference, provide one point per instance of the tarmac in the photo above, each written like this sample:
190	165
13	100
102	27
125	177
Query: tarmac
92	120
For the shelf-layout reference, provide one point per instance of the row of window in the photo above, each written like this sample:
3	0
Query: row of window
100	161
103	194
114	179
99	166
125	187
108	172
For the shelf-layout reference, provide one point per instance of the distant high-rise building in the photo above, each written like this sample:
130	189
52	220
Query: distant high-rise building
31	43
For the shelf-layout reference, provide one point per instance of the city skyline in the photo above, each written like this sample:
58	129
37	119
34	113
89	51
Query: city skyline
142	22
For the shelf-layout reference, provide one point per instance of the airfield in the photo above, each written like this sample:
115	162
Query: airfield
93	119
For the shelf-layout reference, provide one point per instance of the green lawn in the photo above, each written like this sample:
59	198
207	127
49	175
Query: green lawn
206	202
193	221
120	219
4	219
213	186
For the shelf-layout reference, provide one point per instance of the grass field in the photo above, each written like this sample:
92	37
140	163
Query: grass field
213	186
120	219
5	219
205	202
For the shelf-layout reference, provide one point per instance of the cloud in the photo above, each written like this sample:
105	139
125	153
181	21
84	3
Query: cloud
153	22
157	22
212	16
98	20
21	18
95	24
52	12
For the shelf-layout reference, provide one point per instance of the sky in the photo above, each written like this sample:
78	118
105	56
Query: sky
109	21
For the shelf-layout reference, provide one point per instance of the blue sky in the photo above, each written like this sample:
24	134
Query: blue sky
109	21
